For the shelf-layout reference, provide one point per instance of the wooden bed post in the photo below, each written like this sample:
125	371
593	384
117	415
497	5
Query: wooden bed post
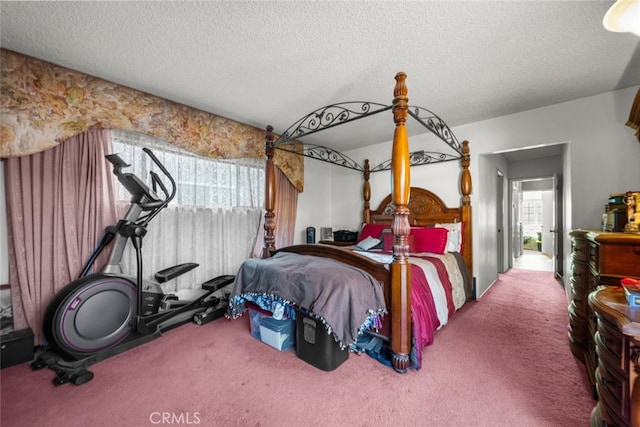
400	268
465	188
269	196
366	194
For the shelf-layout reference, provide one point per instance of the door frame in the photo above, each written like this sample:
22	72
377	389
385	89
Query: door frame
500	221
557	211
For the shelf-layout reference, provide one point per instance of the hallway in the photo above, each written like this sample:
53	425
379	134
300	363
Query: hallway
534	260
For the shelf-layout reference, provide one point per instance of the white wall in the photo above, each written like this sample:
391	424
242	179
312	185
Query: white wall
316	199
601	157
536	168
485	257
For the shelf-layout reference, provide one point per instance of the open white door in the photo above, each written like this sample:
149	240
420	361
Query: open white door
548	228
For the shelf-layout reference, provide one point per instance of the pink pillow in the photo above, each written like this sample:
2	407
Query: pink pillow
433	240
371	230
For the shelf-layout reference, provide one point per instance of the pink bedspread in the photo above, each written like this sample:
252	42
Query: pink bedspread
423	313
423	307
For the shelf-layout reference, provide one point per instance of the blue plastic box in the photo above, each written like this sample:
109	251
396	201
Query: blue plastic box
633	297
279	334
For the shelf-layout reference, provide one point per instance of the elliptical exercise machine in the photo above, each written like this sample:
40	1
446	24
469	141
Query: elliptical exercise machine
103	314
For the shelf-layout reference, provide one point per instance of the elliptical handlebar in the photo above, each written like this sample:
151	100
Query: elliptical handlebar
143	198
141	194
156	180
157	205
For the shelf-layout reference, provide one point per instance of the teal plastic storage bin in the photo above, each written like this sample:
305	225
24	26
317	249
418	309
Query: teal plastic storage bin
279	334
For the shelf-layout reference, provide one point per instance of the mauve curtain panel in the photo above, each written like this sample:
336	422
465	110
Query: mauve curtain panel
59	202
285	211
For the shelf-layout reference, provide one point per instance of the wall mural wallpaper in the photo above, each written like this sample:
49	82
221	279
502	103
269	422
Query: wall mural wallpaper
44	104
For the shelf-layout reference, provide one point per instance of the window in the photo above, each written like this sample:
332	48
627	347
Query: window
213	220
531	213
200	181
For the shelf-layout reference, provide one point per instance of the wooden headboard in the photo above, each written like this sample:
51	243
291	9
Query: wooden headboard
425	208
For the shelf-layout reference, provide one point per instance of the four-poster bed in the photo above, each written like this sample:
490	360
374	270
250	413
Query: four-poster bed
405	208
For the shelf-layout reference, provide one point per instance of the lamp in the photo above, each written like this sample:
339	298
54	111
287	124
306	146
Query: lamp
623	16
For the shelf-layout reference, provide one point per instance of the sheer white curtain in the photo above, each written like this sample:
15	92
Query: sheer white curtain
218	239
212	221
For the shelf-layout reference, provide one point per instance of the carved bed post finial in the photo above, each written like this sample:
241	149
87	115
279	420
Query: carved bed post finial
400	268
366	194
465	181
270	196
400	166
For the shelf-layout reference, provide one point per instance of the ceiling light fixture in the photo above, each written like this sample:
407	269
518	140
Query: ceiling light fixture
623	16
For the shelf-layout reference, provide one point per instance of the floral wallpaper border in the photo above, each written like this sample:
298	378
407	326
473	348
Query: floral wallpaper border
43	104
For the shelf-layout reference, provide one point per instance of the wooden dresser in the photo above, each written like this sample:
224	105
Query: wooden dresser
598	258
617	344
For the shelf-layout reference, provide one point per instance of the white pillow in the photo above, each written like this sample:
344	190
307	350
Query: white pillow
368	243
454	238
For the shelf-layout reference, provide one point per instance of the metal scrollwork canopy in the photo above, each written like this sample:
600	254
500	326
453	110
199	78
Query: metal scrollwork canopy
418	158
339	114
436	125
328	117
325	154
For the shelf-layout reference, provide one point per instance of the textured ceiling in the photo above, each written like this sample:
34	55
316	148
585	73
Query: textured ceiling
271	62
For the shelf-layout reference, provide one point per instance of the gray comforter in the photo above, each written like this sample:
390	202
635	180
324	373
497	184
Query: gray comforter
347	299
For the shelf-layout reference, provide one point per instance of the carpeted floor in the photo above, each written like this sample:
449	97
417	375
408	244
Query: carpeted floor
503	361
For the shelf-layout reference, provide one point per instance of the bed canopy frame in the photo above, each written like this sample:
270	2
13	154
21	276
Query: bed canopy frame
404	207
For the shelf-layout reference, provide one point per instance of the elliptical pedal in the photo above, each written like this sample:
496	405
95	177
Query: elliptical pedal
211	314
218	283
218	309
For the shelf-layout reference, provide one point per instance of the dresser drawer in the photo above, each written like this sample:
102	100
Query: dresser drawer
579	249
619	260
578	327
606	349
577	314
580	276
609	419
593	255
610	391
616	366
611	337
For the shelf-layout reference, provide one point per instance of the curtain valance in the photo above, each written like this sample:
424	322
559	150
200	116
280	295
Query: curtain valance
44	104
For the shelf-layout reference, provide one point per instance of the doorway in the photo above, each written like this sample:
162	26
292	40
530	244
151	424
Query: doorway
534	218
533	260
